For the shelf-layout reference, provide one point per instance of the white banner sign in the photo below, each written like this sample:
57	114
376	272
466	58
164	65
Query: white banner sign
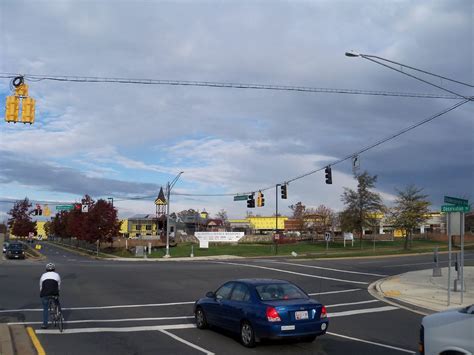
219	236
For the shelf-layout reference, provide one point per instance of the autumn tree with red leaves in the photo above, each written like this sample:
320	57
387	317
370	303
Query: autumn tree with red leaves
20	222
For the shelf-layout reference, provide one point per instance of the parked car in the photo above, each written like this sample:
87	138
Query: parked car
5	245
15	251
448	332
262	308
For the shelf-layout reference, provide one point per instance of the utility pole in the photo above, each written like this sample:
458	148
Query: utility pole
169	186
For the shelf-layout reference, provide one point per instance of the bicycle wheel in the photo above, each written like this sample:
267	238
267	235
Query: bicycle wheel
52	312
60	321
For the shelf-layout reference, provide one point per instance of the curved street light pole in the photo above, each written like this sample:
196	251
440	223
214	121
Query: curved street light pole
168	192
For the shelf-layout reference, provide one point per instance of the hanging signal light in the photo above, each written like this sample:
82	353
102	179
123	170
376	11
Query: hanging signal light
328	174
284	194
251	201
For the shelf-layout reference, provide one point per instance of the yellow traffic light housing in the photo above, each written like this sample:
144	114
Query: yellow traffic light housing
21	90
28	110
12	108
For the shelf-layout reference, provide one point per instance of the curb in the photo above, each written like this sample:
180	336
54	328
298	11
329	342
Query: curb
376	291
6	345
15	340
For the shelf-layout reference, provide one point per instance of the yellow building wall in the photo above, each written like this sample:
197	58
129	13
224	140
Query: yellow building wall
124	226
267	222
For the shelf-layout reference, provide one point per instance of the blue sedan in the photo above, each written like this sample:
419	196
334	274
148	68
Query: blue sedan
262	308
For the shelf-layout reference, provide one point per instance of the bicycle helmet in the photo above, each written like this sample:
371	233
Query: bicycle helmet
50	267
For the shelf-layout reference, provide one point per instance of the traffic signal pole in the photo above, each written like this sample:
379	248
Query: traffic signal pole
276	218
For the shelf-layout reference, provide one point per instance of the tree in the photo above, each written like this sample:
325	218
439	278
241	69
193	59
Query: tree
320	219
59	225
298	215
222	215
101	222
361	205
20	222
410	210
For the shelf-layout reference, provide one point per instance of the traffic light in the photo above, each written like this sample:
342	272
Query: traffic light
28	110
251	201
12	108
328	174
40	212
260	199
284	195
35	212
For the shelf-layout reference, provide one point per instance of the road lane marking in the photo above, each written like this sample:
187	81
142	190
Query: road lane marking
173	326
350	303
35	341
292	272
372	342
330	269
185	342
362	311
115	330
330	292
100	307
109	320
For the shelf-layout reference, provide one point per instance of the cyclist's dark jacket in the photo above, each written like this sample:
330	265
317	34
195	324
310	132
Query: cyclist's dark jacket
50	283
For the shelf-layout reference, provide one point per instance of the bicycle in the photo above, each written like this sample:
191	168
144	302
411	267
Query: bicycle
55	313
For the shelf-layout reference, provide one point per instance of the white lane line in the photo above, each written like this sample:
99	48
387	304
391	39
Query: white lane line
372	342
114	330
362	311
181	326
185	342
330	292
330	269
100	307
350	303
291	272
109	320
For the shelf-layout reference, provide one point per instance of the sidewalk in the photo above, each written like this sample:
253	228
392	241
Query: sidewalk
421	289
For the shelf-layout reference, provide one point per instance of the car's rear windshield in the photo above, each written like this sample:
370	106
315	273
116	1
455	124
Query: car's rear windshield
279	291
15	246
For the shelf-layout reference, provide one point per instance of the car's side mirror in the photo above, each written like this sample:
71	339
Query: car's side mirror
211	294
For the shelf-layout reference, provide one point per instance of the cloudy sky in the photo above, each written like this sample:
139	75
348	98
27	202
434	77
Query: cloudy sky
127	140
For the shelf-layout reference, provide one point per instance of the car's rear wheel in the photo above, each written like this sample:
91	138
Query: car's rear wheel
247	335
201	321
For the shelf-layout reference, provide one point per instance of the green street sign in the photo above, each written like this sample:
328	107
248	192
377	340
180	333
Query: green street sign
456	208
456	201
64	207
241	198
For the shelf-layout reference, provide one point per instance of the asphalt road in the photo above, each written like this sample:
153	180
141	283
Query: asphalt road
117	307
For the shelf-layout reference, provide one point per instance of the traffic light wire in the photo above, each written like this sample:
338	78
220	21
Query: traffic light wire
77	79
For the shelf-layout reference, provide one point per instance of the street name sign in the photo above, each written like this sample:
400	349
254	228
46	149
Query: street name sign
241	197
64	207
456	201
455	208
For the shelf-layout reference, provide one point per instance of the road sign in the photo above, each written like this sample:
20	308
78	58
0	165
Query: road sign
455	201
64	207
241	197
85	208
456	208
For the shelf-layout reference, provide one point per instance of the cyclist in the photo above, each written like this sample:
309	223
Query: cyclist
50	284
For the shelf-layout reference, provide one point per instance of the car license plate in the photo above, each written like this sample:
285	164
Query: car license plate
301	315
287	327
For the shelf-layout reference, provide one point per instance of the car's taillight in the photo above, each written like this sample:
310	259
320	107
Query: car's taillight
324	313
272	315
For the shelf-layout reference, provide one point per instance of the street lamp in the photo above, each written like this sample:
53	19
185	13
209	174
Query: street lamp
379	60
168	191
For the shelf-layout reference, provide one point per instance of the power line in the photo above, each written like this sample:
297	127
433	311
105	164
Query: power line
90	79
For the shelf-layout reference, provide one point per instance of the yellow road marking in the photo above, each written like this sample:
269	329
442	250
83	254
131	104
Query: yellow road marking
392	293
36	342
